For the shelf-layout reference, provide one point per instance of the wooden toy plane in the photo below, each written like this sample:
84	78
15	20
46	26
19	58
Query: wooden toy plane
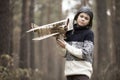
55	29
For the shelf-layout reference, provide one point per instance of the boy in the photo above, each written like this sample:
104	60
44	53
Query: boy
79	44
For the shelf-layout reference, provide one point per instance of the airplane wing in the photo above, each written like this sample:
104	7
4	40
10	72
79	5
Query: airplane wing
46	36
36	27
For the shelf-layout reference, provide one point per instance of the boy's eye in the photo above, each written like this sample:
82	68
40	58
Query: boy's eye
86	18
81	16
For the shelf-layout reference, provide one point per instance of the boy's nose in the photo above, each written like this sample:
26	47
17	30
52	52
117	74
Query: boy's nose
82	19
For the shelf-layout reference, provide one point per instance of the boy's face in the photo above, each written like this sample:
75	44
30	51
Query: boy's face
83	19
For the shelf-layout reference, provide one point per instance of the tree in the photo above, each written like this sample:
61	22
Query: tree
102	39
116	28
24	41
108	40
5	27
31	15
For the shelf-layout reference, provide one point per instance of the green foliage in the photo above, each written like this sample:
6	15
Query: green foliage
14	74
9	72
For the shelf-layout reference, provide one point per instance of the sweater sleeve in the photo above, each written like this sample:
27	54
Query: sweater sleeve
88	46
74	51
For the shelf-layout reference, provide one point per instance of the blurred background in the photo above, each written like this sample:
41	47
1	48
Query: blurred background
21	58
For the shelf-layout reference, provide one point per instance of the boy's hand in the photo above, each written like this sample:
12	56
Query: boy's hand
61	43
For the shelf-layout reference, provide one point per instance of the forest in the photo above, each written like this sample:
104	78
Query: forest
21	58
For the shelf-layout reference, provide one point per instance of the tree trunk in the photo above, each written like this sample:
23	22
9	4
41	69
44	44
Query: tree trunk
24	41
108	61
32	55
102	26
116	31
5	27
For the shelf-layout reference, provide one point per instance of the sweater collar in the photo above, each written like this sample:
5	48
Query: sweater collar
77	27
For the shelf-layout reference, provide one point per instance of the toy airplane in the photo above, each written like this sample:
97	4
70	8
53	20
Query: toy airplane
55	29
